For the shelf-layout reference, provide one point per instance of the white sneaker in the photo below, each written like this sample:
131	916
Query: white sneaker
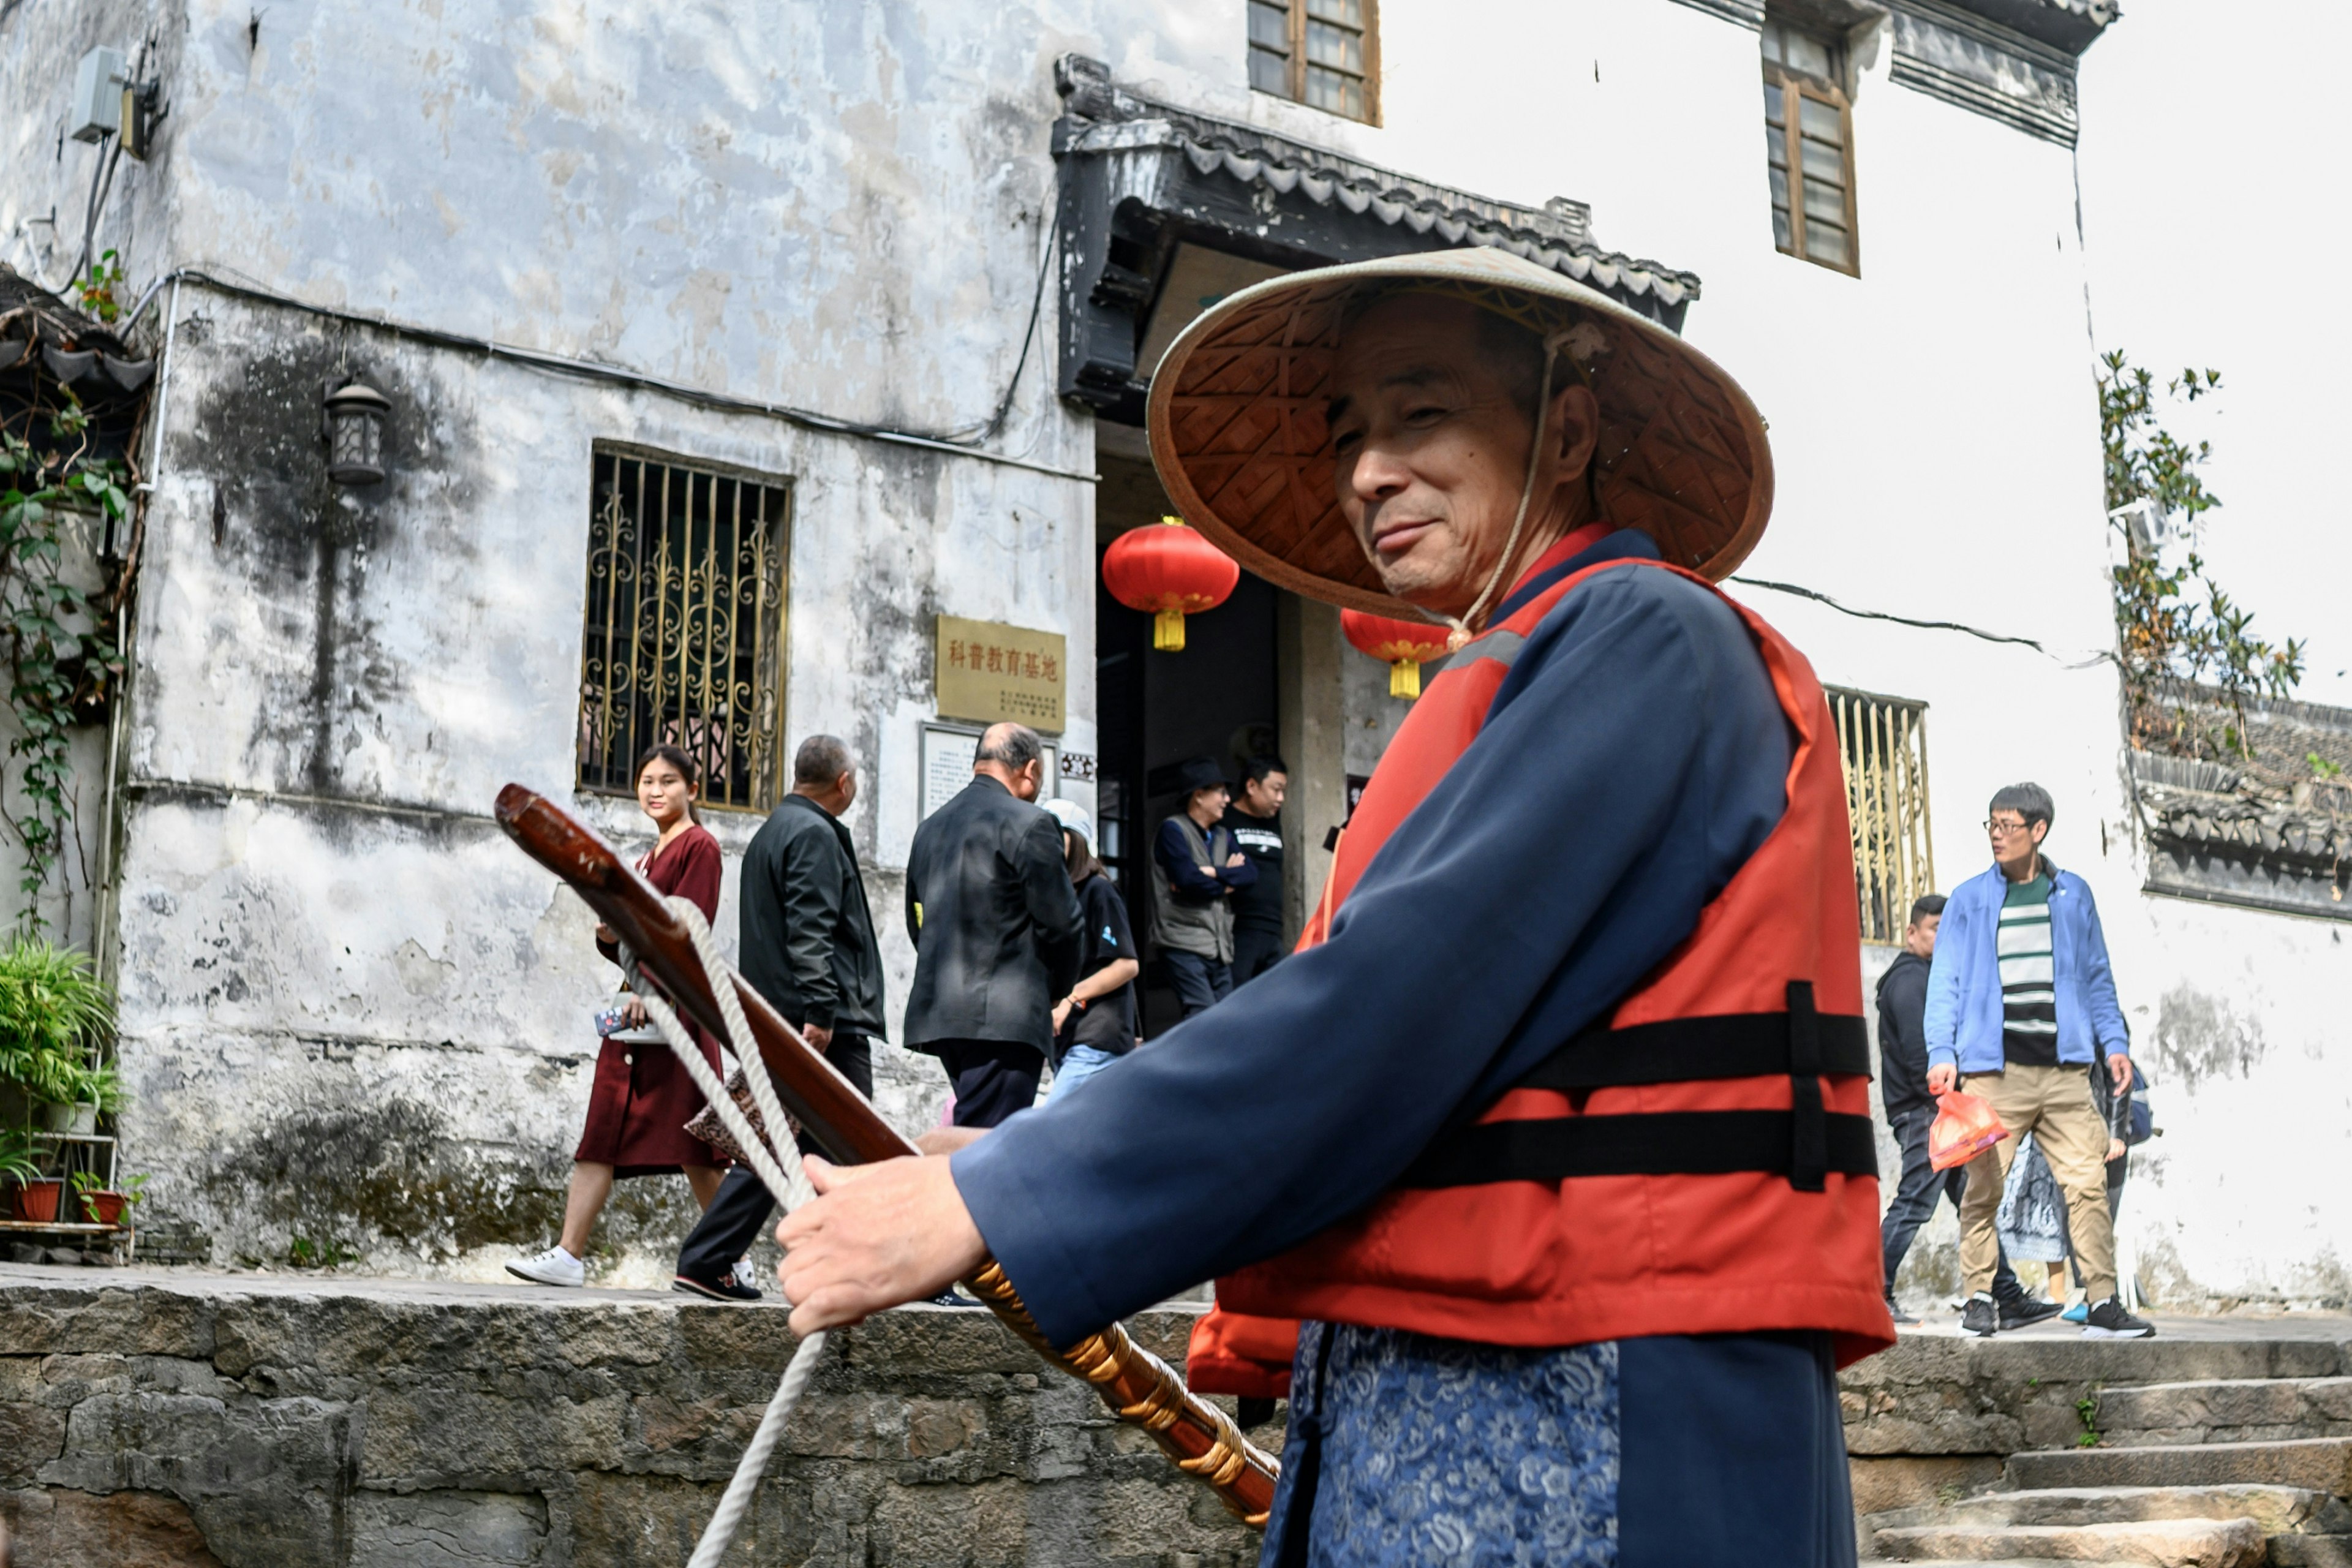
554	1267
745	1276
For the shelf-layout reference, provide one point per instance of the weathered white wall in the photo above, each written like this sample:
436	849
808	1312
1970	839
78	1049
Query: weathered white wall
841	207
351	1013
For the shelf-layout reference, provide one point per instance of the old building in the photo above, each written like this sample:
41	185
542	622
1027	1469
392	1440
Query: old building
723	356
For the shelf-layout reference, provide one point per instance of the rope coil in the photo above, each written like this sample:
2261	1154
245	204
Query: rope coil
780	1170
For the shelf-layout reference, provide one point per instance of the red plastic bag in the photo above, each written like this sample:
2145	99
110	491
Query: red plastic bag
1965	1127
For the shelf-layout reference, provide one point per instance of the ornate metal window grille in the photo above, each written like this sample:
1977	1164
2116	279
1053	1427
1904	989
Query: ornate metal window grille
685	630
1882	741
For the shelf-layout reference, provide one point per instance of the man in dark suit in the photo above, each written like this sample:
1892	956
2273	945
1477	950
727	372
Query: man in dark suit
994	921
806	944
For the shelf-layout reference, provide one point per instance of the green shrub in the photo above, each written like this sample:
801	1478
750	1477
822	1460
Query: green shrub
55	1016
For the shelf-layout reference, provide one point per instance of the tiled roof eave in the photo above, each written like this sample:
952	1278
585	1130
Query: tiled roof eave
1457	218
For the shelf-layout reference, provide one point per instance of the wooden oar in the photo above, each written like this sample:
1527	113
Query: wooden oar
1134	1382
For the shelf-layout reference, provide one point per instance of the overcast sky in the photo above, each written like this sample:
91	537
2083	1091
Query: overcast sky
2214	189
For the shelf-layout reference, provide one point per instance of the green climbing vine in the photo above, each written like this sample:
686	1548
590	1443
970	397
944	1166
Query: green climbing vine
56	637
2176	626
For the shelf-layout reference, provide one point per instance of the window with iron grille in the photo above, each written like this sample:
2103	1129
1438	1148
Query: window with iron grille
1882	741
1324	53
1808	146
684	638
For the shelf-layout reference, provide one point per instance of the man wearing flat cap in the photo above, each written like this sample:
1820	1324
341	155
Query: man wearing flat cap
1196	870
1554	1134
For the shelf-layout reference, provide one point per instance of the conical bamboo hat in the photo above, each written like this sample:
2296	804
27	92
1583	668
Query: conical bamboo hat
1237	420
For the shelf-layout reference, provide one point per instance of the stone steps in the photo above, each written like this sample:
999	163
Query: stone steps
2215	1505
2157	1543
2231	1410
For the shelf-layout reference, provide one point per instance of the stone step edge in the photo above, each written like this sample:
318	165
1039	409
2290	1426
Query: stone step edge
2221	1493
2241	1540
2222	1383
2340	1444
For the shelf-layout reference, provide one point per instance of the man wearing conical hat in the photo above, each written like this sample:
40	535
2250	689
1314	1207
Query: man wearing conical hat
1553	1139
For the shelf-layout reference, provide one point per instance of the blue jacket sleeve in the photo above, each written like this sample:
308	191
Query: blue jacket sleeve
1632	761
1941	1022
1184	873
2107	1025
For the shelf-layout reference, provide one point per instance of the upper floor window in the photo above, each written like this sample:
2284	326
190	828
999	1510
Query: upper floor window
1324	53
1809	141
684	641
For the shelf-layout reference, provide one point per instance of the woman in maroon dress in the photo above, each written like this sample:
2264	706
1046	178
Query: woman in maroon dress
642	1100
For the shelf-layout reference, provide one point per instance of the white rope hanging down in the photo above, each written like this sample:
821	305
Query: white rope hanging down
784	1179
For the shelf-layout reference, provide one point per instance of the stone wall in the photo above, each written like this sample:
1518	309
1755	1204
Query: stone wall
152	1419
266	1421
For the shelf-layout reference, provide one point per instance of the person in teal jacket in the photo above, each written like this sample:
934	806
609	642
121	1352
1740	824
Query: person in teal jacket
2021	1011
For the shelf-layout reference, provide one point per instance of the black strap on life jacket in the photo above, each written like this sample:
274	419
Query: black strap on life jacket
1805	1143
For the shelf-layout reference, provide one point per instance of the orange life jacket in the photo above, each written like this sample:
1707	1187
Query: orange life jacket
1702	1161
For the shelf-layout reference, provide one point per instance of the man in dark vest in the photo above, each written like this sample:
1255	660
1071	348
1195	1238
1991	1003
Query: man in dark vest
1556	1126
1196	870
807	941
994	921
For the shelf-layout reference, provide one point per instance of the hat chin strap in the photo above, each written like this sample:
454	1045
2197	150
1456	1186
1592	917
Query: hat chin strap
1465	625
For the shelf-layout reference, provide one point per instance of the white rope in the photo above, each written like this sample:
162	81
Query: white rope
784	1178
1466	626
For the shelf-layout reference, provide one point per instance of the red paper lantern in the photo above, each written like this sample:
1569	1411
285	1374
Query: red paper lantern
1168	571
1404	644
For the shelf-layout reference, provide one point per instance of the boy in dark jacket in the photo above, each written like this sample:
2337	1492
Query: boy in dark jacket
1911	1110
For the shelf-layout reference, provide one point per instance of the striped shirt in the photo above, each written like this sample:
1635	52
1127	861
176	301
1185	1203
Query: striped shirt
2029	1006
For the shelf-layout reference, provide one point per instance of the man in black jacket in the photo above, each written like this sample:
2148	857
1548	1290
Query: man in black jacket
995	925
806	945
1911	1110
1254	819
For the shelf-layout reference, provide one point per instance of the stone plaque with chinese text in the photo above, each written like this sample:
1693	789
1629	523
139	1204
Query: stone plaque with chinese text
988	671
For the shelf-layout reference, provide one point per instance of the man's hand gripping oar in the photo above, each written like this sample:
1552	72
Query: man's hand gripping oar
878	1184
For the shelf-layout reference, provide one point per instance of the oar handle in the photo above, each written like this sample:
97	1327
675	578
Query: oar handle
1137	1385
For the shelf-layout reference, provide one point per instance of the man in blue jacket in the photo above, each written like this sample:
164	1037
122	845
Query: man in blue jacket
2021	1009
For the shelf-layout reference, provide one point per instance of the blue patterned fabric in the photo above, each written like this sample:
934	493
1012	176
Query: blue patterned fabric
1437	1451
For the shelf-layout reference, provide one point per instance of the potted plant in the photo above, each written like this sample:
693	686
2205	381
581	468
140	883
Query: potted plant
97	1092
18	1165
101	1204
55	1018
37	1197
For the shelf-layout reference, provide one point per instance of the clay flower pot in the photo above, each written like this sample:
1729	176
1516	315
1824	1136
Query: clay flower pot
101	1207
38	1201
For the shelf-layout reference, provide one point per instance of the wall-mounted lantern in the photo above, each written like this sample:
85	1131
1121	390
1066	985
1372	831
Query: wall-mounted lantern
355	414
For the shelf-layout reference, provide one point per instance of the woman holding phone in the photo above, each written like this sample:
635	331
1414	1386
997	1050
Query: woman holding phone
642	1098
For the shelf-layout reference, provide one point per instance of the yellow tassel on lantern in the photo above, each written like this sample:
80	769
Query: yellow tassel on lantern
1405	678
1168	631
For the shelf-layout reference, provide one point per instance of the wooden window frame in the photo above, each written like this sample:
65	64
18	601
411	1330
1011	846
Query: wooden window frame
1295	66
1795	85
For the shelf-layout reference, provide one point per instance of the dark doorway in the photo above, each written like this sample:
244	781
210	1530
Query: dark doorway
1217	698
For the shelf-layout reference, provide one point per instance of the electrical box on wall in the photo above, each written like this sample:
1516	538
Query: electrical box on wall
98	96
